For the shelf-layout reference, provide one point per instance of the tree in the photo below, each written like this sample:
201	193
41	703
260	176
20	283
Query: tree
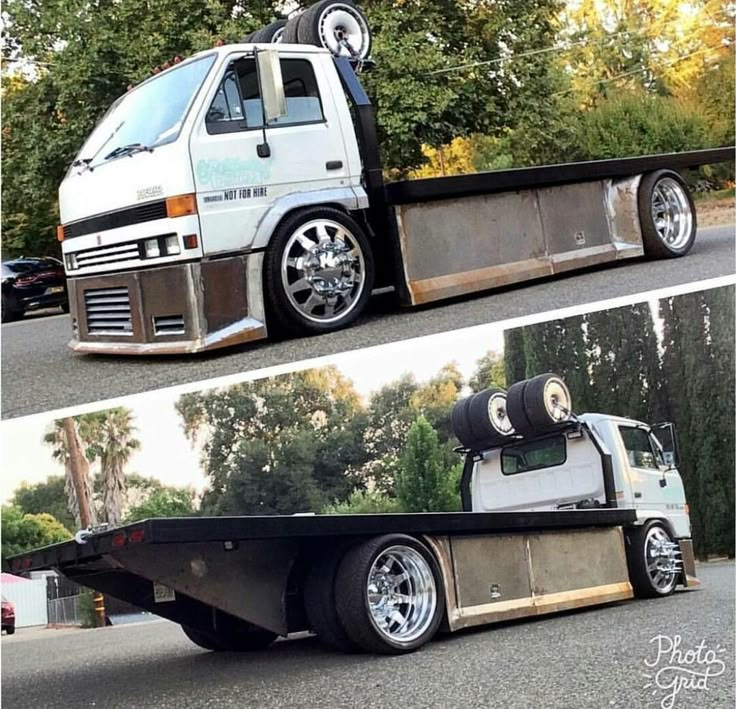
281	445
489	371
423	481
364	502
22	532
163	502
63	441
45	497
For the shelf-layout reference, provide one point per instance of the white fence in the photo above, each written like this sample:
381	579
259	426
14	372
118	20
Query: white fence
29	599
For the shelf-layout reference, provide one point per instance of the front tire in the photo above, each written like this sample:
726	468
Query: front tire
667	215
389	594
318	272
653	558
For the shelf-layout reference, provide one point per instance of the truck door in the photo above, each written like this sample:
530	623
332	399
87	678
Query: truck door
647	470
235	187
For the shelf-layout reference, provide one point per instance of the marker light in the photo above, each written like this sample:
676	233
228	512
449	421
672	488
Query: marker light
60	233
181	206
191	241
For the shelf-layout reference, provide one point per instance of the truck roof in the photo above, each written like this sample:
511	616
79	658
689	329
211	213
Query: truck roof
599	418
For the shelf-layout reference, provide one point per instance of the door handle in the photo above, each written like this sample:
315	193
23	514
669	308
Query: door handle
333	164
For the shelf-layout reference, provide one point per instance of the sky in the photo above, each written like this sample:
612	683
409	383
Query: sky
166	454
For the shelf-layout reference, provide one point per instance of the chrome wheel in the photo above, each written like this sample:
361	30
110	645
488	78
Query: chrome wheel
662	559
343	30
498	416
323	271
402	594
557	400
671	213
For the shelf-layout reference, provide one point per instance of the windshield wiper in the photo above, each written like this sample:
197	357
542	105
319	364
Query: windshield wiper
81	161
86	162
129	149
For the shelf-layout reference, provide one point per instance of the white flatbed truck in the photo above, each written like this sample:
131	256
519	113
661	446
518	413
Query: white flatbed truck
240	192
560	512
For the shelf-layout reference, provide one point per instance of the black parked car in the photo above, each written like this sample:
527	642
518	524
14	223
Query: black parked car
32	283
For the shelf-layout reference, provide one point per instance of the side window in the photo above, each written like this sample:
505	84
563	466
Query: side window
533	455
237	103
639	448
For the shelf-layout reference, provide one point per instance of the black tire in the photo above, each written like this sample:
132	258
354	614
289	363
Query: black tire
655	246
478	415
291	30
320	602
353	608
9	310
636	560
247	39
65	306
516	409
310	31
10	630
243	637
535	405
460	423
269	34
287	316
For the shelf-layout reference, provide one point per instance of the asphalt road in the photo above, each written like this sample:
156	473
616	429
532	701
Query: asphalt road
593	658
39	373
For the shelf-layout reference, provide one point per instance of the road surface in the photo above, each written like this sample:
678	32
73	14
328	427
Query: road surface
593	658
39	373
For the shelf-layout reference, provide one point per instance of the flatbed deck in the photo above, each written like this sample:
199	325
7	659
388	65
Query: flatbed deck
192	530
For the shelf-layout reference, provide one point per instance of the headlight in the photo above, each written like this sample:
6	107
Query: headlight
151	248
172	245
71	262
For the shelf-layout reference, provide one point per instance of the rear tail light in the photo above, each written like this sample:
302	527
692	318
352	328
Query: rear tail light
25	562
136	536
27	280
118	539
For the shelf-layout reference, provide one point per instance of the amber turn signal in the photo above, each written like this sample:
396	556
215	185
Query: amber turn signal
190	241
60	233
181	206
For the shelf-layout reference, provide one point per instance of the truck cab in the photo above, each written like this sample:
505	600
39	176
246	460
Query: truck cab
567	468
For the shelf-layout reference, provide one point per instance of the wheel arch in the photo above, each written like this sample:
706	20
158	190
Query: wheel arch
346	199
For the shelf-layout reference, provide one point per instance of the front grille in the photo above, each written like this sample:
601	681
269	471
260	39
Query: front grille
168	325
107	254
113	220
108	311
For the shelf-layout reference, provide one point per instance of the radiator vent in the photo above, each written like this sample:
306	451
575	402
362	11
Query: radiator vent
108	311
168	325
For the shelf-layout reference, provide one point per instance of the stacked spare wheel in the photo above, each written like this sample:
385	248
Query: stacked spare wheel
340	27
491	417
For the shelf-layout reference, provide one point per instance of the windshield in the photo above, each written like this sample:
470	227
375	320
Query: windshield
149	115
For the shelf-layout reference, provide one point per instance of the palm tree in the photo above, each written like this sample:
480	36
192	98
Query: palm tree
115	443
57	438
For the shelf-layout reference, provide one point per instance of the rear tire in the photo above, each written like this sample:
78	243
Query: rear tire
271	34
390	596
243	637
9	310
654	567
320	603
291	30
318	272
10	630
666	214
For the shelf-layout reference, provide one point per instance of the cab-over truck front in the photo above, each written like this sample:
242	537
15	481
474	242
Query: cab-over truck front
241	192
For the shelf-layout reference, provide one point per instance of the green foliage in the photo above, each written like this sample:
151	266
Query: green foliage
163	502
424	483
87	613
22	532
364	502
48	496
490	371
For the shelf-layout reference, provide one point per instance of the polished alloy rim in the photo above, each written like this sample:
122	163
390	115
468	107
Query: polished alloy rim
557	400
662	557
323	271
344	32
497	414
673	218
402	595
278	36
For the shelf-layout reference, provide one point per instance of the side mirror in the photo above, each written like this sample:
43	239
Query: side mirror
666	434
271	84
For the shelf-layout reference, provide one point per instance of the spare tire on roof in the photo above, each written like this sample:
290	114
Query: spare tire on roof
271	34
341	27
